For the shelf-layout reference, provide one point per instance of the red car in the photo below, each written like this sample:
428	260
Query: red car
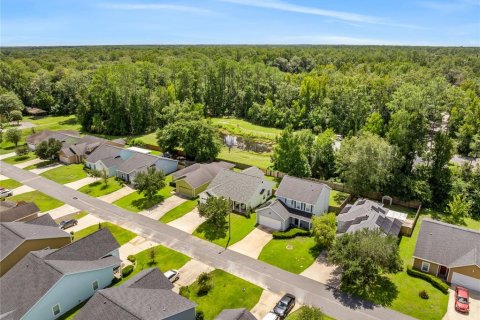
461	300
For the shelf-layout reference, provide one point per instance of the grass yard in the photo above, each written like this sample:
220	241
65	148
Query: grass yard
136	202
295	315
39	165
98	188
19	159
179	211
260	160
150	138
241	227
240	127
43	201
411	212
294	255
10	184
66	174
165	259
337	198
122	235
227	292
467	222
54	123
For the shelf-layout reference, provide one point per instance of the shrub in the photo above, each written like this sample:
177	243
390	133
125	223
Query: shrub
131	258
203	278
437	283
199	315
423	294
184	291
292	233
127	270
21	151
137	143
203	289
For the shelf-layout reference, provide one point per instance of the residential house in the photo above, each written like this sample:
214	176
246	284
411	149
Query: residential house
235	314
367	214
81	149
192	180
246	189
66	137
11	211
47	283
145	296
449	252
127	163
17	239
298	200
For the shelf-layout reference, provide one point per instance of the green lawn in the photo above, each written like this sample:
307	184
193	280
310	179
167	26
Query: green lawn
240	127
150	138
467	222
39	165
66	174
260	160
411	212
43	201
241	227
165	259
19	159
179	211
227	292
98	188
275	181
337	198
54	123
136	202
294	255
122	235
295	316
10	184
70	315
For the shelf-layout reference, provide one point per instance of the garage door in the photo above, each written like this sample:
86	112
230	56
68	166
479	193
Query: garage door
270	223
466	281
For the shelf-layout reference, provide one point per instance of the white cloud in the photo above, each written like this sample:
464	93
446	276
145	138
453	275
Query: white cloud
152	6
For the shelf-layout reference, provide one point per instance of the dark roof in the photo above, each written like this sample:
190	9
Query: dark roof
12	211
447	244
65	136
93	246
86	145
44	220
199	174
138	161
283	210
303	190
235	314
136	299
35	111
103	152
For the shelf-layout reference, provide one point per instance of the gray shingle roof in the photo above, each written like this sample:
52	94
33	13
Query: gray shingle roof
44	220
447	244
136	299
11	211
235	314
137	162
61	135
300	189
83	146
103	152
198	174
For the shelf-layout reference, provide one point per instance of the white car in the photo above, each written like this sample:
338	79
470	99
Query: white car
5	193
172	275
271	316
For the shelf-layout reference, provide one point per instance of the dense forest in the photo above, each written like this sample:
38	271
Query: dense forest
421	102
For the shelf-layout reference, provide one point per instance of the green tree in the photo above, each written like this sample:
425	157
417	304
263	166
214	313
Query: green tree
323	159
215	210
374	124
365	163
149	182
104	176
9	102
459	208
324	229
48	150
309	313
440	175
21	150
15	115
364	256
289	155
13	136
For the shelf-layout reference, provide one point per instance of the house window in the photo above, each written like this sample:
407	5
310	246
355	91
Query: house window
425	266
95	285
303	206
56	309
294	203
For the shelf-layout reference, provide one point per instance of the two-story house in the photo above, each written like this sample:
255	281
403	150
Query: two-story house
297	201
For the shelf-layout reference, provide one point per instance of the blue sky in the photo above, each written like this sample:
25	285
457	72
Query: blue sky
384	22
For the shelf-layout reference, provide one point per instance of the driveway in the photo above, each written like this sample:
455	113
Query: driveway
2	177
23	125
85	222
46	168
135	246
158	211
323	272
267	301
190	272
22	189
63	211
474	307
80	183
28	163
114	196
189	222
253	243
7	155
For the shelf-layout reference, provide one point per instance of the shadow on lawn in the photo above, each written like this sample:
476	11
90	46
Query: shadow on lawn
69	121
211	232
144	203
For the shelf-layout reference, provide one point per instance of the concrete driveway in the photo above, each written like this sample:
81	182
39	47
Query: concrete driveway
22	189
158	211
28	163
190	272
253	243
7	155
2	177
189	222
474	307
267	301
80	183
114	196
85	222
135	246
323	272
46	168
63	211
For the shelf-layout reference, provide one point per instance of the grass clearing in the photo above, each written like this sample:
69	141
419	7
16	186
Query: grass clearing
43	201
337	198
250	158
19	159
120	234
66	174
98	188
293	255
227	292
10	184
296	315
241	227
179	211
150	138
240	127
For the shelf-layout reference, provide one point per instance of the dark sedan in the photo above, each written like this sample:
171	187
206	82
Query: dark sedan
68	223
285	305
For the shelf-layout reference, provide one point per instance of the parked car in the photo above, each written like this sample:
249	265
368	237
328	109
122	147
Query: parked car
462	300
5	193
285	305
68	223
172	275
271	316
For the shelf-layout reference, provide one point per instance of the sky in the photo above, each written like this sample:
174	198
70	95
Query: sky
129	22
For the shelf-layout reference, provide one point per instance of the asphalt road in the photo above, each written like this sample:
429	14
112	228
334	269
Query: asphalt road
308	292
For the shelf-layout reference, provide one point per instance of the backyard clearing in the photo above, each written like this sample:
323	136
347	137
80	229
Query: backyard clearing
253	243
250	158
188	222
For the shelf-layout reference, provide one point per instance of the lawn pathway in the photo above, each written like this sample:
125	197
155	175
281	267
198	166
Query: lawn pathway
80	183
168	204
46	168
28	163
22	189
114	196
189	222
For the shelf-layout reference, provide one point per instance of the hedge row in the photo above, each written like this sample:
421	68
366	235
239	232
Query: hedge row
292	233
436	282
127	270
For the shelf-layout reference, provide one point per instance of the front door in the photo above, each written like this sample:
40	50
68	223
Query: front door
442	272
